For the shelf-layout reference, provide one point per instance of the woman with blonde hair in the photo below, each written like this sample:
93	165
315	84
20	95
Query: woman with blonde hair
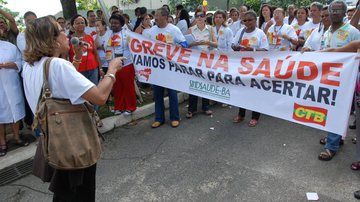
45	38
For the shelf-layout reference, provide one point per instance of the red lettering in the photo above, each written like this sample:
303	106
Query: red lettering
263	68
135	45
147	47
246	65
222	63
302	69
288	72
159	48
326	72
170	55
204	57
184	54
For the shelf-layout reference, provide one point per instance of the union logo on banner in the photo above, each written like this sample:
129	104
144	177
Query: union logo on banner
308	114
145	73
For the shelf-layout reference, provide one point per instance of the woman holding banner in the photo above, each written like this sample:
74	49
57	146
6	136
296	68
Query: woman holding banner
205	39
249	38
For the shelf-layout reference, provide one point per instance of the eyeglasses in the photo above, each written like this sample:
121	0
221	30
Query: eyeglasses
339	11
200	16
248	20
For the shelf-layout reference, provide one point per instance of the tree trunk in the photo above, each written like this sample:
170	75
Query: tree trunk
69	8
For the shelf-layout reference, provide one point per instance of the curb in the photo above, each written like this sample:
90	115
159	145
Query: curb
25	153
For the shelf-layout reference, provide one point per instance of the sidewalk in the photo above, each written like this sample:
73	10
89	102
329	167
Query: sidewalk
14	159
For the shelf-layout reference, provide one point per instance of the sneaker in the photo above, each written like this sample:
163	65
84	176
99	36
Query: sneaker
118	112
127	113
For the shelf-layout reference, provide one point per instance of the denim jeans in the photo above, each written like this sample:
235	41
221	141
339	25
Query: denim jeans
193	101
93	76
333	141
160	107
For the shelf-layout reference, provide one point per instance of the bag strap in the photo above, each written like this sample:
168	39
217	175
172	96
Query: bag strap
241	35
45	90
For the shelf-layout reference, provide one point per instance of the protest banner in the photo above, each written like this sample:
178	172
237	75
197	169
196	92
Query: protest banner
314	89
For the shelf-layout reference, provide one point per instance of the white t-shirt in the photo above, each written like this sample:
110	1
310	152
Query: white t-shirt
265	23
224	38
169	34
90	30
256	39
21	42
236	26
182	25
286	21
308	28
118	45
342	36
103	43
316	40
276	41
64	81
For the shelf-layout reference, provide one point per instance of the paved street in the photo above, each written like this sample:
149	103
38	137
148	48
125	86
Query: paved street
213	159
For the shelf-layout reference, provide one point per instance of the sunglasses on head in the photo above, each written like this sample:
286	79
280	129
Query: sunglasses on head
200	16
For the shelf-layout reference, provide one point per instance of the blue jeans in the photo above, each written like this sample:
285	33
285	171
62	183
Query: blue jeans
333	141
93	76
160	107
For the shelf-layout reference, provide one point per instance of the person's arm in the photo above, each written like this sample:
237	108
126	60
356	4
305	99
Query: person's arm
8	65
213	42
356	17
268	25
350	47
12	22
99	94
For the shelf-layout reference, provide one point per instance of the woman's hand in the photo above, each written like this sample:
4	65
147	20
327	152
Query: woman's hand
116	64
78	50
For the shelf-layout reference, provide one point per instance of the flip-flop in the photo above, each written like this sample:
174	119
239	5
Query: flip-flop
238	119
253	123
355	166
326	155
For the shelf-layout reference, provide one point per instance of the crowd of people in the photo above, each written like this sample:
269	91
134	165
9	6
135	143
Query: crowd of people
99	51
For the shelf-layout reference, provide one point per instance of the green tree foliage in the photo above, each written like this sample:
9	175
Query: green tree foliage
87	5
189	5
253	4
15	14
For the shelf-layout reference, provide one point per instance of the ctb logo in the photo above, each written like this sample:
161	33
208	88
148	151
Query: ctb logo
308	114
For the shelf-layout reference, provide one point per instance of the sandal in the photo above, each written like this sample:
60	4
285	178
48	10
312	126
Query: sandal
208	112
355	165
253	123
3	150
324	139
326	155
238	119
21	143
189	115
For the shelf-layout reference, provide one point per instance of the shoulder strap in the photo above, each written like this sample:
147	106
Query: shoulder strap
241	35
46	89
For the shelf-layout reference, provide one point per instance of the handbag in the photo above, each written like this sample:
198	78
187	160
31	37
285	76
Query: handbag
70	139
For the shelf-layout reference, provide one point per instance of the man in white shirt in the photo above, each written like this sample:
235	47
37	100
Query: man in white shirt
91	18
20	40
168	33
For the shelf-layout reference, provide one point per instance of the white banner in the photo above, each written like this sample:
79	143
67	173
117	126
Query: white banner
313	89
